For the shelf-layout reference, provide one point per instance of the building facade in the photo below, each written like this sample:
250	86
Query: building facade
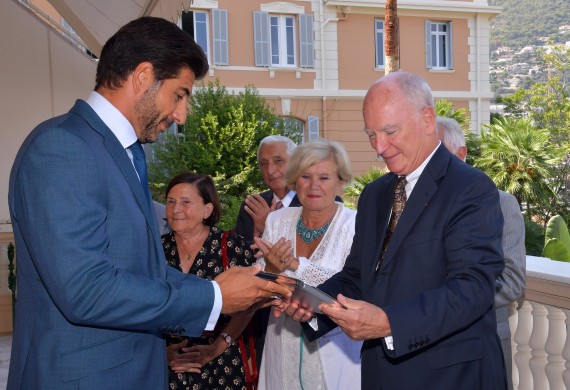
314	60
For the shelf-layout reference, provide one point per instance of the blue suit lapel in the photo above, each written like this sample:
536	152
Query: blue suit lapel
119	155
424	190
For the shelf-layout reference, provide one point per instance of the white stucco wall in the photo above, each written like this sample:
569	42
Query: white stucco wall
41	75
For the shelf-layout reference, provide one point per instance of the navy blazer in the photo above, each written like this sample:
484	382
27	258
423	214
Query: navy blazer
436	282
94	291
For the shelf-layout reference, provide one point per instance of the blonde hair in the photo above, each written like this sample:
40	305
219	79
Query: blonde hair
313	152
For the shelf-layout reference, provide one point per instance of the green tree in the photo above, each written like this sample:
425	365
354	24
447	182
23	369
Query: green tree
220	138
445	108
547	105
520	159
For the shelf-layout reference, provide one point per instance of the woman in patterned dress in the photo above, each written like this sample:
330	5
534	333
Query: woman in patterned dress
194	246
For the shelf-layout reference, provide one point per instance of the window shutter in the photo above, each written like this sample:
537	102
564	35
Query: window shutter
313	124
306	40
450	45
220	29
428	44
261	38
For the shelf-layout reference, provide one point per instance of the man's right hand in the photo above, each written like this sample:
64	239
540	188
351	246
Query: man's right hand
258	210
241	289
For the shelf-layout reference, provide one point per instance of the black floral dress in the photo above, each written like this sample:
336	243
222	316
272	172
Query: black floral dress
227	370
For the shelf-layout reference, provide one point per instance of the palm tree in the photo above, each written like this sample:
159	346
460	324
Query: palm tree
445	108
391	42
520	159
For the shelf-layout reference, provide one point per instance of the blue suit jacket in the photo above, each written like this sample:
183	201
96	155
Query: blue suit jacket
94	293
436	283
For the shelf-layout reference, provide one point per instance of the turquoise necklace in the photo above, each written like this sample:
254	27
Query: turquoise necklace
310	235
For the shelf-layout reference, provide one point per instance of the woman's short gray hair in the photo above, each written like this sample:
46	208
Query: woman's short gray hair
313	152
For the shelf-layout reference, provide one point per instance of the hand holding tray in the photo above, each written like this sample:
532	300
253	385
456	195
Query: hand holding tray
308	297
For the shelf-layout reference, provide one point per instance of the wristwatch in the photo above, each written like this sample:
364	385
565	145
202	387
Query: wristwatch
226	337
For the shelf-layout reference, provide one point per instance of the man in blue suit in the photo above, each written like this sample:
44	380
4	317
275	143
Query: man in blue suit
94	293
422	301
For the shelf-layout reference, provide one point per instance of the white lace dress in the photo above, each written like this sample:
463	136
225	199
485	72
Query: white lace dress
289	360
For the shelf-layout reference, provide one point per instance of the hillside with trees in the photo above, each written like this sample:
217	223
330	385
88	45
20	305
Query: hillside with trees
529	22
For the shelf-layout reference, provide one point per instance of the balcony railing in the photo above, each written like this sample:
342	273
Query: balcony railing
539	322
539	327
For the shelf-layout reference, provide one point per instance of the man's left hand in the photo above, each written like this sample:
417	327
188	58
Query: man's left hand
358	319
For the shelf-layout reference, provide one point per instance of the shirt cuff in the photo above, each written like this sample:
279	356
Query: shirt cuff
217	309
389	342
314	323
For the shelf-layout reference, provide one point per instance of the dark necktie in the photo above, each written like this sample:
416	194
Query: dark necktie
139	161
278	205
398	203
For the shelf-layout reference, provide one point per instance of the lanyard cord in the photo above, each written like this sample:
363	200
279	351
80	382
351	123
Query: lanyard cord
301	361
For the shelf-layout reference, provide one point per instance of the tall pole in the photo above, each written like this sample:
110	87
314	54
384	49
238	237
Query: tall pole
392	37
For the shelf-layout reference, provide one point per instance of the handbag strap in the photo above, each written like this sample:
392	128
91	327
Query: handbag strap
250	375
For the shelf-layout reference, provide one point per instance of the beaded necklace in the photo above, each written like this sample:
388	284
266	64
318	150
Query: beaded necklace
310	235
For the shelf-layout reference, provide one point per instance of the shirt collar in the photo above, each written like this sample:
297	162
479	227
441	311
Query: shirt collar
286	199
113	118
413	177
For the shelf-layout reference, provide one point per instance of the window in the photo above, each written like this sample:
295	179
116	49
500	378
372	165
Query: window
380	52
294	128
439	54
197	24
275	40
282	39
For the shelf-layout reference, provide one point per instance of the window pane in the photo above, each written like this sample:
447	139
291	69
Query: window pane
274	31
379	43
434	51
290	41
442	63
201	28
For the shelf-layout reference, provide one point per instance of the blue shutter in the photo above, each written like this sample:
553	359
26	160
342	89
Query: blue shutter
306	40
428	44
313	125
261	38
449	47
220	29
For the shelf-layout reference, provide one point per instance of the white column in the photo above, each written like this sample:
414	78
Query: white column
566	353
523	354
554	345
513	325
537	343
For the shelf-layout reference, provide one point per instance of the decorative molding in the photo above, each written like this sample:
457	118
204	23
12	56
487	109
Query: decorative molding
286	106
204	4
282	7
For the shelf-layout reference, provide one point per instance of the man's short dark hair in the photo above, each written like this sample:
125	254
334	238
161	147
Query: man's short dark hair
149	39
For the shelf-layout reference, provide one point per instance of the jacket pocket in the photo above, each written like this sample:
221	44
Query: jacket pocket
83	362
459	352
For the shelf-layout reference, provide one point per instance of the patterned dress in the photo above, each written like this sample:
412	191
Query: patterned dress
226	371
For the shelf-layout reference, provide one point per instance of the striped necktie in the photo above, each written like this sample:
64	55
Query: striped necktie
398	204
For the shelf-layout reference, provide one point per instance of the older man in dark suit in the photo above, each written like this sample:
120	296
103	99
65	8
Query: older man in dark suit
272	156
419	283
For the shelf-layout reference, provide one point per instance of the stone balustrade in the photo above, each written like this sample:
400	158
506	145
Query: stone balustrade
539	324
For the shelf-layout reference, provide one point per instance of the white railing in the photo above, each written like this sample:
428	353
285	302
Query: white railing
539	325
